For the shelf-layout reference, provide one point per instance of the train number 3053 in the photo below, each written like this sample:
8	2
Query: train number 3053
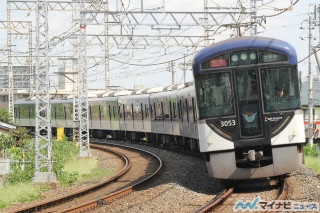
227	123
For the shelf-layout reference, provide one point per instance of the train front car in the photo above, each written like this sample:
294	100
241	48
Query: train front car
248	99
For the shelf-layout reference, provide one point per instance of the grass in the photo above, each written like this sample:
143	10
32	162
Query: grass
21	192
88	169
313	163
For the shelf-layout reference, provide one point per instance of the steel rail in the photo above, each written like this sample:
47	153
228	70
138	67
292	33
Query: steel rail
62	199
212	204
90	205
282	193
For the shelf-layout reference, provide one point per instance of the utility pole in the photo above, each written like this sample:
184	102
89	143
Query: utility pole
171	69
310	99
106	48
43	144
184	68
83	88
10	70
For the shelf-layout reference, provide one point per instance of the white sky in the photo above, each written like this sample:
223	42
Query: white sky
291	26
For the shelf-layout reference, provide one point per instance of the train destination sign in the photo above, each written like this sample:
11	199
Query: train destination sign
219	62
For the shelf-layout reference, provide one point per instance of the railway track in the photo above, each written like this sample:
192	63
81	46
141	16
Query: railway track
105	191
227	199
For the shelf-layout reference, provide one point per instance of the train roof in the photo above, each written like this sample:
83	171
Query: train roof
248	42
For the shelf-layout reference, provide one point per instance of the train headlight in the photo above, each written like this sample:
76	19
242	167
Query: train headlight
253	56
243	56
234	58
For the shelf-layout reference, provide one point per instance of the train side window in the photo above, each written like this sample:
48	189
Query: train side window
179	110
110	115
159	111
146	112
114	112
154	111
194	111
124	112
32	112
187	109
166	109
90	113
174	112
64	110
99	111
54	112
161	108
132	112
119	111
170	106
141	108
17	112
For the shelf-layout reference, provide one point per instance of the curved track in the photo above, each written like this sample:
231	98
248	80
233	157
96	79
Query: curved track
61	202
227	198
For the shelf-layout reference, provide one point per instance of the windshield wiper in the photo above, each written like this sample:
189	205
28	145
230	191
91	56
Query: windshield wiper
280	113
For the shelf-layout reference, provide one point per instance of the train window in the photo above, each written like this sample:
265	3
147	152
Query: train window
124	112
65	112
120	112
170	110
141	109
180	110
99	112
174	110
280	89
114	112
166	109
161	112
109	109
248	102
214	95
266	56
136	111
193	110
32	112
90	112
146	111
133	112
186	109
154	111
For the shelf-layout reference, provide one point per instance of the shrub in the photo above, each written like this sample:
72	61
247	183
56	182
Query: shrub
23	158
4	116
22	166
311	151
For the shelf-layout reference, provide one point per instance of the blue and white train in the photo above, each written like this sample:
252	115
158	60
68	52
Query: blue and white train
243	112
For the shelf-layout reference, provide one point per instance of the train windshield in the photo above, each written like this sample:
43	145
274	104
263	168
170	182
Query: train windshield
214	95
248	102
280	89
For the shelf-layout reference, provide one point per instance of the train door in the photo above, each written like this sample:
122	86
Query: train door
249	104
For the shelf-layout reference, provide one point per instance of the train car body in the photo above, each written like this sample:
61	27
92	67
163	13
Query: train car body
61	113
188	113
164	113
135	119
250	120
25	113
